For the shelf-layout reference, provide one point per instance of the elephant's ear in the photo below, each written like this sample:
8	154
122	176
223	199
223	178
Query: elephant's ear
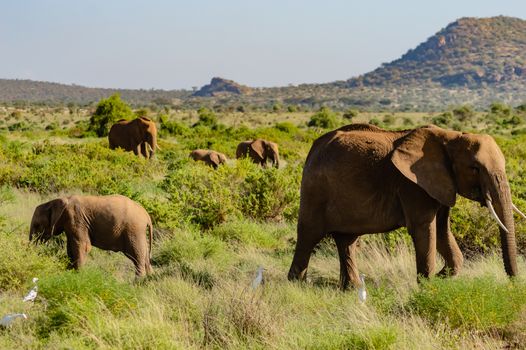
422	158
214	158
258	146
55	210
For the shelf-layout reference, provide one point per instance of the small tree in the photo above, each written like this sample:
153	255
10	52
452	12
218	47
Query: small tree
324	118
107	113
206	118
350	114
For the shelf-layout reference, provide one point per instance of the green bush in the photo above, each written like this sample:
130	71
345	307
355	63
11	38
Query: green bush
107	113
90	167
206	118
271	194
19	263
76	295
324	118
482	304
172	127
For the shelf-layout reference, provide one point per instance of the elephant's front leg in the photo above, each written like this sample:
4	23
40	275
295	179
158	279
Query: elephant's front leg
309	235
137	150
447	245
77	251
424	239
346	245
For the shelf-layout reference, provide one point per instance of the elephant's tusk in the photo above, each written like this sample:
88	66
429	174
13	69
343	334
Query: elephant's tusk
518	211
492	211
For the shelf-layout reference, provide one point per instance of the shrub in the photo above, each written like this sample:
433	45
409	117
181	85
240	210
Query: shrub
19	126
269	194
172	127
107	113
482	304
206	118
350	114
464	113
286	127
19	263
75	295
324	118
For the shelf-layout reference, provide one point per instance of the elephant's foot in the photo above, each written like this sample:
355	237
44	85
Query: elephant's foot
297	274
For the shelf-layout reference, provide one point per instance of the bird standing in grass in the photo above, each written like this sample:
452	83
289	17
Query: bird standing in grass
31	296
8	319
259	278
362	293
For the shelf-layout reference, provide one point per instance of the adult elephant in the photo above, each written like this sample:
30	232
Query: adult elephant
361	179
259	151
138	135
209	157
108	222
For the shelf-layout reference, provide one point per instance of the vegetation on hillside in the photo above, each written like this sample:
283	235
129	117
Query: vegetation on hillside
472	60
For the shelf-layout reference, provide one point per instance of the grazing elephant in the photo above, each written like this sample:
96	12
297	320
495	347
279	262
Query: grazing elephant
259	151
138	135
361	179
108	222
211	158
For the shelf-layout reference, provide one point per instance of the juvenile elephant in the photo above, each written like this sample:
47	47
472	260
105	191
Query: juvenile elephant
108	222
211	158
138	135
259	151
361	179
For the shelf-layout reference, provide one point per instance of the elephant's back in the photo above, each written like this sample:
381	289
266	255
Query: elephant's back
347	147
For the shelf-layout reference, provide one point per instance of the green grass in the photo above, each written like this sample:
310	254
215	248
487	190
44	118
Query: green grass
212	230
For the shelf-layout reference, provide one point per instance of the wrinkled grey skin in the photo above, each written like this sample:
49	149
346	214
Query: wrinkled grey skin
209	157
138	135
360	179
107	222
260	151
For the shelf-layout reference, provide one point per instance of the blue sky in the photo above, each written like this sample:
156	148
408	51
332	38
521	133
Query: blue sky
180	44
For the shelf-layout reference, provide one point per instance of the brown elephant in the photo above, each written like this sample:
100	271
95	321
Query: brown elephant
259	151
107	222
138	135
361	179
212	158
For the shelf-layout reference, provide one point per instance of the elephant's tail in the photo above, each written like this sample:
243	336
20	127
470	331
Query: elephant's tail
150	226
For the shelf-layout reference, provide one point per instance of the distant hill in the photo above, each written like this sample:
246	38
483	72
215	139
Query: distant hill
220	86
472	61
37	91
468	52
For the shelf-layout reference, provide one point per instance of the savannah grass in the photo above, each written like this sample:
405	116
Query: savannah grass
212	230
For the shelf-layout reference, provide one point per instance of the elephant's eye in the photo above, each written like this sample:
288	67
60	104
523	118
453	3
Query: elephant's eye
474	169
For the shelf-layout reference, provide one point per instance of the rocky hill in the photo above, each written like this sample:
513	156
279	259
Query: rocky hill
220	86
471	61
468	52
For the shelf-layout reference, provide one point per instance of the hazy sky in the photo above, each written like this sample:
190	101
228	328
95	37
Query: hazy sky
180	44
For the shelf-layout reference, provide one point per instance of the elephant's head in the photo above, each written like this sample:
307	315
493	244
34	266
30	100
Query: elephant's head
266	150
48	220
148	133
445	163
217	159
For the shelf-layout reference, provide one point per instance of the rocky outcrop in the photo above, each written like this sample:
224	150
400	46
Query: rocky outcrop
220	86
468	52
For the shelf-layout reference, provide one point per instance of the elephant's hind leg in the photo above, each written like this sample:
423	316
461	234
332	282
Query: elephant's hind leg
309	235
447	245
346	244
135	249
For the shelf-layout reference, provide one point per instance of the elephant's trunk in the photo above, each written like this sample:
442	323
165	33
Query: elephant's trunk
276	161
498	193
